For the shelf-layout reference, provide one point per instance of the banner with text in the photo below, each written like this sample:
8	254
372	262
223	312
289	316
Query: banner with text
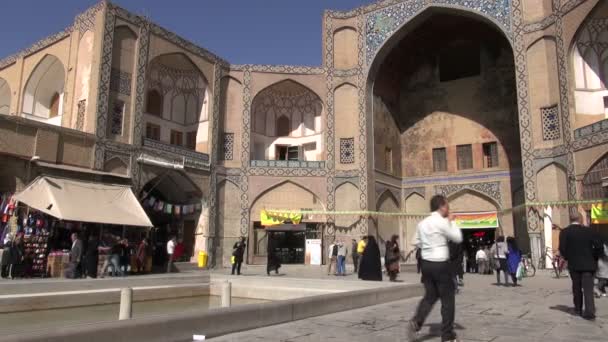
476	220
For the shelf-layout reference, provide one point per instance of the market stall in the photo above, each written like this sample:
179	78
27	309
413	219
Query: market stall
57	207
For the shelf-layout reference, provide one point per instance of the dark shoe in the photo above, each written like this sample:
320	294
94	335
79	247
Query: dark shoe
412	331
589	317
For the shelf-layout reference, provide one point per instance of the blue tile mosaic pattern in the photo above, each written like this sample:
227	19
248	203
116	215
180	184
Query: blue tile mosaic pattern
381	24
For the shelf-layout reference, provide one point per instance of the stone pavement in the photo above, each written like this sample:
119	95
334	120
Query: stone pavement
536	311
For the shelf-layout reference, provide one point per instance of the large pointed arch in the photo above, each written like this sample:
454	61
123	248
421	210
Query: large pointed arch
287	202
44	90
286	102
177	90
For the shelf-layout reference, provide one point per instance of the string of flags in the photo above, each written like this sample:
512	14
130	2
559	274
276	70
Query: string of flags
160	206
597	206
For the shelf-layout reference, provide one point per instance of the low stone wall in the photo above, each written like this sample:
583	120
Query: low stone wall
69	299
216	322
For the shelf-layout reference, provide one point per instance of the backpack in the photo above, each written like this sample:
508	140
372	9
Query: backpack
334	251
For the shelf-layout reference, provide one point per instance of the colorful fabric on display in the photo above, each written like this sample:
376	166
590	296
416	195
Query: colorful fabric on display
273	219
599	213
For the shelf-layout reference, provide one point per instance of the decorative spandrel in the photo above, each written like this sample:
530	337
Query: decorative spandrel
382	23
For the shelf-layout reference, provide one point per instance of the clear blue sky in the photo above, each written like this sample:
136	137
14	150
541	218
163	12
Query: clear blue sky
241	31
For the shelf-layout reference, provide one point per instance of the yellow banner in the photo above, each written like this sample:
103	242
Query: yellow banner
273	219
599	213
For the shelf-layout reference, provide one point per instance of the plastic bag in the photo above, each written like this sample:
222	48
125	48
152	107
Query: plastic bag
520	271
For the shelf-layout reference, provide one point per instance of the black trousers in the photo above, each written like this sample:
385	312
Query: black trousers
438	280
582	291
356	262
237	267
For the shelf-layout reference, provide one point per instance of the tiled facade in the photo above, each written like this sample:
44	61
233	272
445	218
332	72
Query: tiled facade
331	151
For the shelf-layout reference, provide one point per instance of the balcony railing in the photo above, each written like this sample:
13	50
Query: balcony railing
288	164
591	129
192	159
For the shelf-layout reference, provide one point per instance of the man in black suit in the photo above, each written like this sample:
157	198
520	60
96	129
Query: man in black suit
576	245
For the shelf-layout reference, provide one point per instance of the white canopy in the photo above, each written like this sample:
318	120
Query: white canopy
75	200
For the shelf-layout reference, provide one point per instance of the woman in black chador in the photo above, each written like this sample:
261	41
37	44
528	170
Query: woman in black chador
371	266
274	263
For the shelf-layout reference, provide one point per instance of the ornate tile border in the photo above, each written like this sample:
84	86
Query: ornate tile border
490	189
382	24
564	93
523	103
140	79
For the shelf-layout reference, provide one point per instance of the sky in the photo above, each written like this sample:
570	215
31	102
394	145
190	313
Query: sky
240	31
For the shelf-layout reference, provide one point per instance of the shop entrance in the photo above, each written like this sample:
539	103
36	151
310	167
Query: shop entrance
173	203
472	239
288	241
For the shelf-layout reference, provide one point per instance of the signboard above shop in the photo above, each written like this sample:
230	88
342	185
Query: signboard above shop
481	220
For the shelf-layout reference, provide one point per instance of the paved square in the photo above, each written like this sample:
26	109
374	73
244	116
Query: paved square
536	311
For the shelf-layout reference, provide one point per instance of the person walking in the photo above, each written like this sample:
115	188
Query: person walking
341	259
355	256
170	251
371	266
432	236
392	257
360	249
238	253
482	260
513	258
17	254
499	252
273	263
91	257
141	255
74	269
602	271
113	260
332	258
579	246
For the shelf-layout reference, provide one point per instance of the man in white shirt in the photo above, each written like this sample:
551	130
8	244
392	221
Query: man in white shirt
432	236
482	261
170	250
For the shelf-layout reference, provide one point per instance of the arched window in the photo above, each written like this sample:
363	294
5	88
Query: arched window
54	109
155	103
283	126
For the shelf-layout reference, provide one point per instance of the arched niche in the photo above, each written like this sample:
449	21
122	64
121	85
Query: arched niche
589	65
43	92
5	97
229	220
177	102
347	199
286	115
116	165
286	195
414	204
387	226
84	59
345	48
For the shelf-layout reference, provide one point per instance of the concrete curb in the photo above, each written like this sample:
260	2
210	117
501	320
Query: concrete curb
216	322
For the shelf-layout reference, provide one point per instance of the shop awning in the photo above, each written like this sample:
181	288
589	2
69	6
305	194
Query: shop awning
82	201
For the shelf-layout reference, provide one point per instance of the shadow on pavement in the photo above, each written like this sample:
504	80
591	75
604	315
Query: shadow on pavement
565	309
